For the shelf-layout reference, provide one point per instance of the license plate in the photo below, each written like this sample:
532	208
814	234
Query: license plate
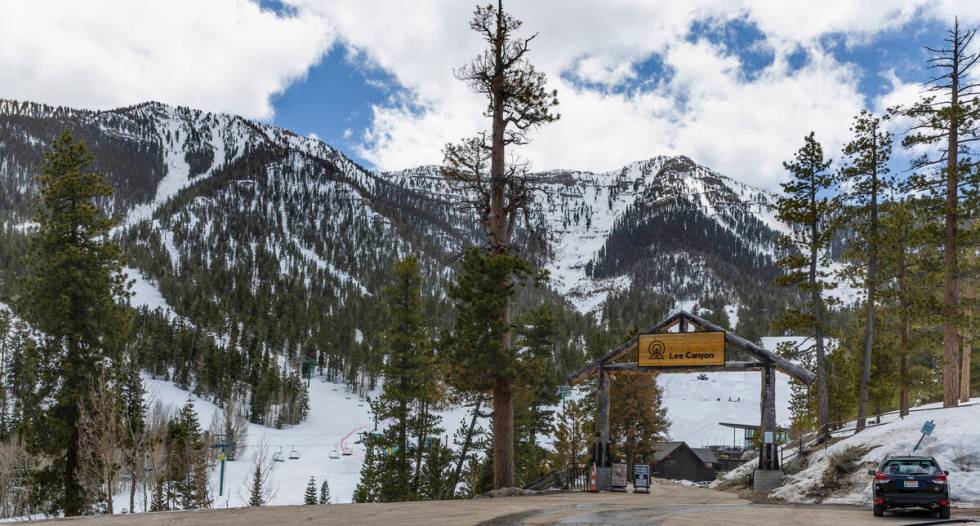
911	483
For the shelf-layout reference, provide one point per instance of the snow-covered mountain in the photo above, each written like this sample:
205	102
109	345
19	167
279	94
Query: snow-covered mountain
185	177
281	244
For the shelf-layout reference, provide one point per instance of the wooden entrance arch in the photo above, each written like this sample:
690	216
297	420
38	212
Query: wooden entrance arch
739	354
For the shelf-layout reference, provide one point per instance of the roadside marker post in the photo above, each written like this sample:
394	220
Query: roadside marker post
927	429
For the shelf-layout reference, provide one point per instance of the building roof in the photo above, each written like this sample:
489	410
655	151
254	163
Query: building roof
706	455
664	449
747	426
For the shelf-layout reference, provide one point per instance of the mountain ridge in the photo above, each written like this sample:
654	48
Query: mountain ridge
241	224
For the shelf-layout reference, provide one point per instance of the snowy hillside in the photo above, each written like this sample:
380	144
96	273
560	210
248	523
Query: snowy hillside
955	444
336	418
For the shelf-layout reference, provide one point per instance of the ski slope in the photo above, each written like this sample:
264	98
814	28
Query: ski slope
334	415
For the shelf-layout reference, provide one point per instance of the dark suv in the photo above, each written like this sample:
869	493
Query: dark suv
910	482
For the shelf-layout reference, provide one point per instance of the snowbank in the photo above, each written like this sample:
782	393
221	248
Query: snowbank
955	444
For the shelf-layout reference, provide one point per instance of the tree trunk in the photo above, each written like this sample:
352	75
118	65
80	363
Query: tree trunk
965	365
967	344
109	483
132	490
423	432
503	435
872	278
74	497
451	490
817	300
950	292
905	331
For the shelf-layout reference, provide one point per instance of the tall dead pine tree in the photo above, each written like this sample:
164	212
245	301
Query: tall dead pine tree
517	102
946	120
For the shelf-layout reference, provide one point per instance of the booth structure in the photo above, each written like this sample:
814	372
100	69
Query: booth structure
685	342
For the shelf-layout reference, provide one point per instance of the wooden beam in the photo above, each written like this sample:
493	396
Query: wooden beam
586	371
768	452
632	368
603	416
779	362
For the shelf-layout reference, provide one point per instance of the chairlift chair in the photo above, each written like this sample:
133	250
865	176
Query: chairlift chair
348	451
293	454
334	453
277	456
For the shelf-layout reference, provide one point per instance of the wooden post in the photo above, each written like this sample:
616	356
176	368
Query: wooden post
603	423
768	459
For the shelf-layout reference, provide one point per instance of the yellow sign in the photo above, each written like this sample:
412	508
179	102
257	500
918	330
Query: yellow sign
682	349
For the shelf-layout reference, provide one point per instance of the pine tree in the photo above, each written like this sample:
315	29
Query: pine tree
73	297
536	337
159	500
135	435
324	492
372	480
408	372
479	362
572	437
517	101
805	206
638	420
865	176
310	496
947	120
256	497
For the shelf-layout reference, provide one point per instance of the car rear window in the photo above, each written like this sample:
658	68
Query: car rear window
910	467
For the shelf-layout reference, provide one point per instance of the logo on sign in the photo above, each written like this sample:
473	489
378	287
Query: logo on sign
656	350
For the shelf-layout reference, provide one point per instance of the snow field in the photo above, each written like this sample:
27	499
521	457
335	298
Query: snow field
334	415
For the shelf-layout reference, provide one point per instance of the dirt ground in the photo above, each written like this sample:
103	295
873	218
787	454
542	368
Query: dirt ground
667	504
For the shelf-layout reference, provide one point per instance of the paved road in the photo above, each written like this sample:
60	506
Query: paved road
667	504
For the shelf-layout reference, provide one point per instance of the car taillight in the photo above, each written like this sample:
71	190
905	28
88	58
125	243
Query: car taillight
940	478
881	476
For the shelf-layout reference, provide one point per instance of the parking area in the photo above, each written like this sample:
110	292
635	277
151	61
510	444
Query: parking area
667	504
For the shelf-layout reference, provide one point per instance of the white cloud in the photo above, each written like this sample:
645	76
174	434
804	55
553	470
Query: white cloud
219	55
708	109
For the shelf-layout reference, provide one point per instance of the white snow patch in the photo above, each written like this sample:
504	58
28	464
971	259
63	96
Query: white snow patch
145	292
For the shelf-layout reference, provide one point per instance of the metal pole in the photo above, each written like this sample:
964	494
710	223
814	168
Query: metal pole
221	483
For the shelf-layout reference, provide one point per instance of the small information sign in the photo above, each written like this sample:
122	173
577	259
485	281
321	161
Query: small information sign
618	481
641	478
928	427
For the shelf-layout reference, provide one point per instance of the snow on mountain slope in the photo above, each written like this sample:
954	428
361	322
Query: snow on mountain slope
145	293
954	443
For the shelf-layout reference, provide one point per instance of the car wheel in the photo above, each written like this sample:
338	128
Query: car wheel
944	512
879	510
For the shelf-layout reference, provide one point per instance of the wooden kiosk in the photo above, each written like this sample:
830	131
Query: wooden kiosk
687	343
